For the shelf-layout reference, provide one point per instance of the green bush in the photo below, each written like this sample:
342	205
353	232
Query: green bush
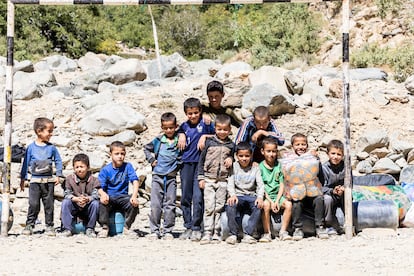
108	46
388	6
400	59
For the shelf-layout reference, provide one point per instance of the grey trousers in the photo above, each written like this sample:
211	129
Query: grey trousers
163	196
331	204
215	193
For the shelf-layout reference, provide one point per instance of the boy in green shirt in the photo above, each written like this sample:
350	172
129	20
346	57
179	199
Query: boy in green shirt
274	201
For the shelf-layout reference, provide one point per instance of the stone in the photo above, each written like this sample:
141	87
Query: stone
407	174
127	137
24	66
59	63
281	104
380	152
62	141
126	70
336	88
409	84
97	160
386	165
364	167
90	61
380	98
271	75
90	80
395	156
138	86
91	101
237	67
401	162
107	87
28	85
202	67
410	156
168	69
373	139
363	74
294	81
110	119
362	155
400	146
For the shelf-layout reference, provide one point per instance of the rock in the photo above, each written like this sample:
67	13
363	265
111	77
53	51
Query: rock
336	88
271	75
90	61
410	156
380	98
386	165
65	90
126	70
110	119
62	141
399	146
91	101
24	66
107	87
97	160
57	63
294	81
237	67
373	139
380	152
303	100
362	155
407	174
202	67
363	74
110	61
401	162
168	69
364	167
395	156
28	85
138	86
409	84
281	104
90	80
127	137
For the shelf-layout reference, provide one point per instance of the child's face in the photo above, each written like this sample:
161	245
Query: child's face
215	98
193	114
244	157
81	169
300	145
45	134
269	152
118	156
222	131
169	127
261	123
335	155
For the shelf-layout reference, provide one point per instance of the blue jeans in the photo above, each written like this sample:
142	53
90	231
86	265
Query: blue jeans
70	210
191	196
118	203
245	205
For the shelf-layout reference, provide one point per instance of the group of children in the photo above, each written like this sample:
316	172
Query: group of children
212	180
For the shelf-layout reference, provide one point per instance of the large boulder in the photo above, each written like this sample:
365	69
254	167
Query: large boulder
237	67
90	61
126	70
407	174
373	139
203	67
28	85
110	119
24	66
386	165
90	80
400	146
409	84
362	74
295	81
57	63
98	99
271	75
171	66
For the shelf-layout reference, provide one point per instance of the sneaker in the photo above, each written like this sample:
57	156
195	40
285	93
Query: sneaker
231	239
216	238
248	239
266	238
50	231
186	234
196	236
103	233
298	234
206	239
321	233
153	236
66	233
284	236
28	230
331	231
90	233
168	237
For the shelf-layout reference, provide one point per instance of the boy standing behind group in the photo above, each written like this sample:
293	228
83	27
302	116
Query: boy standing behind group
190	133
213	169
164	156
39	157
274	185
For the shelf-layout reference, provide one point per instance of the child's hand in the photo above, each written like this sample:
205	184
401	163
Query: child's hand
201	143
275	207
207	119
255	164
338	190
22	182
259	203
314	153
257	135
228	162
134	201
104	198
202	184
232	200
57	181
153	164
181	141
